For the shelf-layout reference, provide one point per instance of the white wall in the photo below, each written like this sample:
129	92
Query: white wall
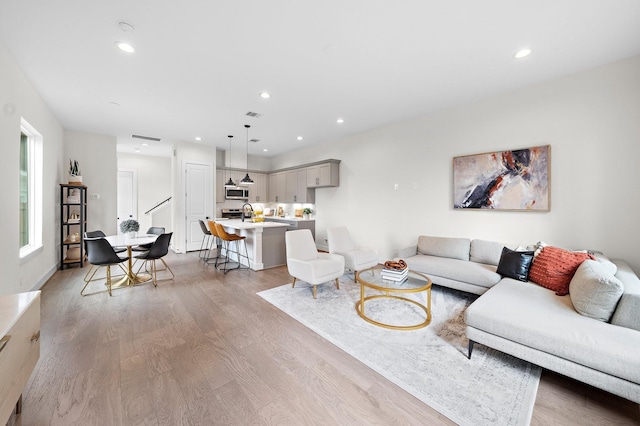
97	157
154	185
19	99
590	119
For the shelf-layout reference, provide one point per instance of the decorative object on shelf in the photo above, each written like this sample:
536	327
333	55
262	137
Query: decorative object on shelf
504	180
74	216
129	227
306	212
73	253
247	180
230	183
75	176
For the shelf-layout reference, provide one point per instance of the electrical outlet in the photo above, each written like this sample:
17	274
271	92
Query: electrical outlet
95	196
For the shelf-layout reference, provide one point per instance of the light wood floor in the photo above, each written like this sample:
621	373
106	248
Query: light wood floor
204	349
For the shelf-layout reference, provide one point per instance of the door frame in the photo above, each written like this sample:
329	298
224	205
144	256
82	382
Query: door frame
134	194
210	207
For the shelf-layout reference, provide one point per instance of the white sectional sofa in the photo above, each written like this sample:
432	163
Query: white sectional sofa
532	323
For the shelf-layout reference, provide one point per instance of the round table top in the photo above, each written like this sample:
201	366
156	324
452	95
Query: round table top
121	240
373	278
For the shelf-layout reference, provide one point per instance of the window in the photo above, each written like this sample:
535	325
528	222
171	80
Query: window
30	189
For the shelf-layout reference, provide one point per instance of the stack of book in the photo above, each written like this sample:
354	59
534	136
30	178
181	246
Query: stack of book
398	275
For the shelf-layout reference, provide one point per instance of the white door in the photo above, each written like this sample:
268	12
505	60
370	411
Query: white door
198	202
127	195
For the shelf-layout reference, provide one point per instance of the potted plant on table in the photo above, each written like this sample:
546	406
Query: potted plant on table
129	227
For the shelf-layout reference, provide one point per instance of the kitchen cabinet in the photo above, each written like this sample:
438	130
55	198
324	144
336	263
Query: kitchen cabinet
277	187
258	191
220	186
323	175
296	187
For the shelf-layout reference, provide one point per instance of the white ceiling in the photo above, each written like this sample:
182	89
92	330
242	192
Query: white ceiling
200	65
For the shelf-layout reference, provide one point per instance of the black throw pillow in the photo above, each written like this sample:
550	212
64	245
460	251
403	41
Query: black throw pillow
515	264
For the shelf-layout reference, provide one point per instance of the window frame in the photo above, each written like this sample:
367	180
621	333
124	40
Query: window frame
34	173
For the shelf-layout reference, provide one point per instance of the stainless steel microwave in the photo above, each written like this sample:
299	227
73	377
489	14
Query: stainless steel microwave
236	193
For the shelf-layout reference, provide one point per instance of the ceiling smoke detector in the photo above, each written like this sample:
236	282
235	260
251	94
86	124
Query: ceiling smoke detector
126	27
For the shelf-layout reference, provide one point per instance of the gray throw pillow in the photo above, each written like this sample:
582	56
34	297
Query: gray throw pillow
594	291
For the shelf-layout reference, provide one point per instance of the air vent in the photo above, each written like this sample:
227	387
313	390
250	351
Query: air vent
253	114
148	138
254	140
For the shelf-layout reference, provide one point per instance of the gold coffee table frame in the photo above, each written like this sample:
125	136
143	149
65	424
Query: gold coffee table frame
416	283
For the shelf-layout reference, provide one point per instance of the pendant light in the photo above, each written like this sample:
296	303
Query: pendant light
247	180
229	183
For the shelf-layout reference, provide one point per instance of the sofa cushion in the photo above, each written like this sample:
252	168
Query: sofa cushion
594	291
454	248
627	312
468	272
515	264
483	251
535	317
554	267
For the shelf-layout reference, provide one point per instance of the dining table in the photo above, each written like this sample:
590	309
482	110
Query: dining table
124	240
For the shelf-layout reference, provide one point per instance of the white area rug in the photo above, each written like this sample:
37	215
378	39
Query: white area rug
430	363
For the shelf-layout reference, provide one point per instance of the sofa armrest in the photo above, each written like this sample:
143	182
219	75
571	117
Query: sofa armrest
407	252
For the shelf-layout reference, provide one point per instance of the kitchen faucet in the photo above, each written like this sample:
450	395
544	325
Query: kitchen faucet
242	209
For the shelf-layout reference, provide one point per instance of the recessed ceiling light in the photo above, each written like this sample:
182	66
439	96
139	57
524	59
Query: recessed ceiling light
265	149
339	121
145	144
198	138
125	47
299	138
523	53
265	95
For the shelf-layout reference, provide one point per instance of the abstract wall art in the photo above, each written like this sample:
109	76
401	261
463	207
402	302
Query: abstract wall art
504	180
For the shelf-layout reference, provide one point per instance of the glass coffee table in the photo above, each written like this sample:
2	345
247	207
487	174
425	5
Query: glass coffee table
415	283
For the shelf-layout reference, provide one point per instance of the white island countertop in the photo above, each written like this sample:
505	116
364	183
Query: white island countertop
247	224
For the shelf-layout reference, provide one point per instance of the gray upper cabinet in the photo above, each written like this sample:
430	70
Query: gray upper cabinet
258	191
296	187
323	175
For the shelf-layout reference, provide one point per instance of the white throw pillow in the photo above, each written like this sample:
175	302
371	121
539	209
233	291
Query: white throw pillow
594	291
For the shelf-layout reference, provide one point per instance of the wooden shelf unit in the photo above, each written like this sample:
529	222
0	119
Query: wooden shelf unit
70	225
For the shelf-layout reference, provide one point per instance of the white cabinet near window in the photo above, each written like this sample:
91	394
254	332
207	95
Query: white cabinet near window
323	175
19	348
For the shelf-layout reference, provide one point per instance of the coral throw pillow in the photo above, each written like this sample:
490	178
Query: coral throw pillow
554	267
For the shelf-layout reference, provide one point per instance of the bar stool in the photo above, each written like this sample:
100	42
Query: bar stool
227	239
207	241
215	243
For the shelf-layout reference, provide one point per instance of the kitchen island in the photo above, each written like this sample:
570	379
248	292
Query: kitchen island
265	241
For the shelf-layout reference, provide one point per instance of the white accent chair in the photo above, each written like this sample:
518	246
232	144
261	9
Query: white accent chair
356	258
305	263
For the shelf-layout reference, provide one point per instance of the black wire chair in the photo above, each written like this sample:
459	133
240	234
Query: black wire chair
159	248
101	254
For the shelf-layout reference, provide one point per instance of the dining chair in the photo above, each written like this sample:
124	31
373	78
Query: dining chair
159	249
97	234
101	254
227	239
154	230
356	258
305	263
